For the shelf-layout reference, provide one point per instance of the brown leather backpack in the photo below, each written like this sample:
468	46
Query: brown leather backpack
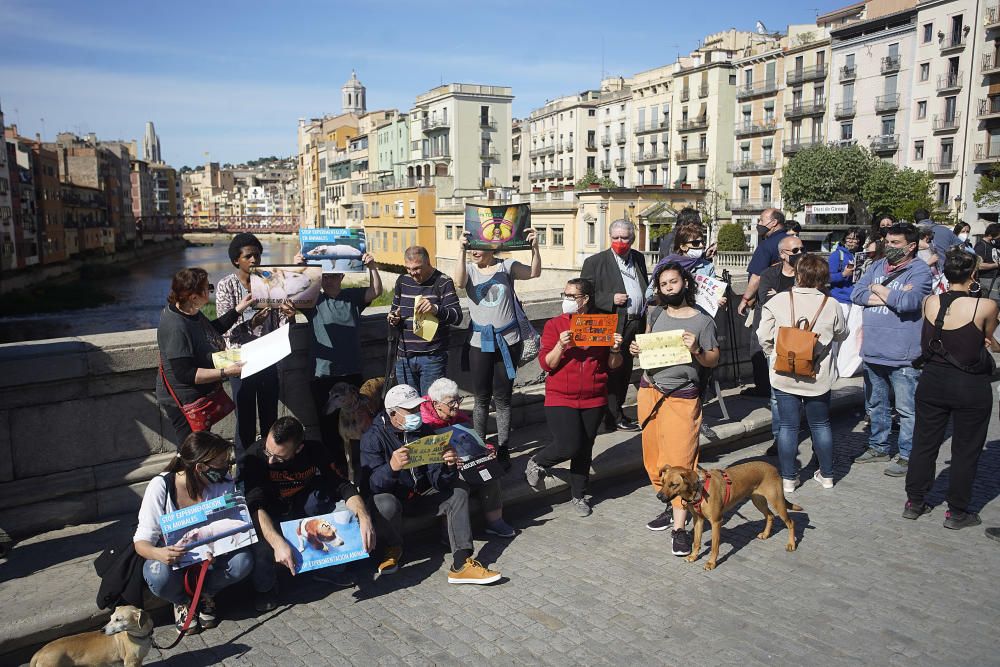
796	346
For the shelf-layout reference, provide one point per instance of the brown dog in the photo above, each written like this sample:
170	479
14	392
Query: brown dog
707	494
317	533
126	639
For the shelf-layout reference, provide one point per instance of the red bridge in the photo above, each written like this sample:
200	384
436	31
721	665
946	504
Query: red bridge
232	224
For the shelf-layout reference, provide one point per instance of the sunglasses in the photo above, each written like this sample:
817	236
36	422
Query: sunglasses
572	297
794	251
697	244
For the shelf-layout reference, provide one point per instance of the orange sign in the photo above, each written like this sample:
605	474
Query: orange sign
595	330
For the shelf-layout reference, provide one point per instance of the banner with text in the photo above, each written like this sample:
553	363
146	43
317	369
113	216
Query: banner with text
663	348
594	329
324	540
271	285
214	527
335	249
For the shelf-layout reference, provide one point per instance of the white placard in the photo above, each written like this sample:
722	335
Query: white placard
265	351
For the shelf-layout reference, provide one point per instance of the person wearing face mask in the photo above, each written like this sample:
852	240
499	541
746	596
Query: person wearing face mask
199	472
989	261
576	393
619	277
689	251
961	232
943	235
891	293
844	265
436	488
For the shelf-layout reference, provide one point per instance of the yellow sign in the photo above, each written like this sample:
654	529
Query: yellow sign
427	450
663	348
227	358
425	325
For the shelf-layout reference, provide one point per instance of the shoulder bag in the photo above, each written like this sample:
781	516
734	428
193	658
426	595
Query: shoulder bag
795	347
207	410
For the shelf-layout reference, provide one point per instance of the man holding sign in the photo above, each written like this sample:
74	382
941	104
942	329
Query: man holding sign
409	468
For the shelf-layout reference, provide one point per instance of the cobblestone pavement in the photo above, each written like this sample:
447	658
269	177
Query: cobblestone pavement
865	587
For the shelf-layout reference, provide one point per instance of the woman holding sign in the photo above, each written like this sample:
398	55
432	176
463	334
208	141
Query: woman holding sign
679	343
576	394
496	338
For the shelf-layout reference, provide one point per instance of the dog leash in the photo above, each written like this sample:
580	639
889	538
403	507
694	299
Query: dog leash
708	481
195	598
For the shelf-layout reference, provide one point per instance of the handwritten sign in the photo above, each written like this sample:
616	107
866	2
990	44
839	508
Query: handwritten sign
709	292
225	358
425	325
427	450
663	348
594	329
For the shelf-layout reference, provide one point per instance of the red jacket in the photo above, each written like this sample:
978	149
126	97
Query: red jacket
581	378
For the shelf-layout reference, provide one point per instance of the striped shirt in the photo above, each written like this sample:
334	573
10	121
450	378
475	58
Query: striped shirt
439	289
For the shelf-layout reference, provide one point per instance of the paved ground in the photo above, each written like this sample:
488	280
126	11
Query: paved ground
865	587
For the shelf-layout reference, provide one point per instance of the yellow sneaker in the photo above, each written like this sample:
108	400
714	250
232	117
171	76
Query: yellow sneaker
391	560
472	573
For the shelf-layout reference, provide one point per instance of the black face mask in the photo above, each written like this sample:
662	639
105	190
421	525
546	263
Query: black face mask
215	475
673	300
794	259
762	230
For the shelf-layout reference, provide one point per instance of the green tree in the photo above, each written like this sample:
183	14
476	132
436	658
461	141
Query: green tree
731	238
898	191
590	179
988	191
826	174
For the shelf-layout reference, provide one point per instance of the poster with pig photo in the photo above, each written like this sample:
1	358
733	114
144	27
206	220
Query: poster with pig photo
215	527
324	540
271	285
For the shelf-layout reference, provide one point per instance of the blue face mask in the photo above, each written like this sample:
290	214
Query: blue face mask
412	422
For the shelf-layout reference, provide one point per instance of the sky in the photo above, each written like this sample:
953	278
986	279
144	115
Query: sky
231	79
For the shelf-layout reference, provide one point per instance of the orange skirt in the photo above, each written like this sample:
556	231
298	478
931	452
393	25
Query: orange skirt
671	437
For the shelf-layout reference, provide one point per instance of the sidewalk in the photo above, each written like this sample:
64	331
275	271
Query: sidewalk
50	580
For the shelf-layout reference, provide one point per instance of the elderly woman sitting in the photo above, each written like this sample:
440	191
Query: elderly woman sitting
441	410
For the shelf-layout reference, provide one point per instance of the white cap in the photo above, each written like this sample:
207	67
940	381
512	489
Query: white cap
402	396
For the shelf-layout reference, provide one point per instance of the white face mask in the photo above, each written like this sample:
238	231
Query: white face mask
963	237
695	253
570	306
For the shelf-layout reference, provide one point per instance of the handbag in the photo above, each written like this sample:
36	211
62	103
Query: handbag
795	346
205	411
531	342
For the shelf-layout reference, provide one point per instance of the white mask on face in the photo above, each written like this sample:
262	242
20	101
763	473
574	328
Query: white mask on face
695	253
570	306
963	237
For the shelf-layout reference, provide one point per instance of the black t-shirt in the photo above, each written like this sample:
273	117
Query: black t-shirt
282	489
181	336
989	254
773	279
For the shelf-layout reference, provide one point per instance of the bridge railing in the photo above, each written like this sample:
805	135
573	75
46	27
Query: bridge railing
231	224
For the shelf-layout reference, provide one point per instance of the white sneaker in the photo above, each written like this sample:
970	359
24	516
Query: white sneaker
825	482
788	485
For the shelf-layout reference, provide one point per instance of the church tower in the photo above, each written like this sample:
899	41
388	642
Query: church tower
353	96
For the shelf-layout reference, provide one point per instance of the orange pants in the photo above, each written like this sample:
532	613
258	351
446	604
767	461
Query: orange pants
671	436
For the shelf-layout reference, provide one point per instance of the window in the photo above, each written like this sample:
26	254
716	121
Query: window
925	71
921	109
846	131
413	208
449	232
765	192
591	232
928	32
591	162
918	150
888	126
944	193
399	208
557	237
541	233
591	112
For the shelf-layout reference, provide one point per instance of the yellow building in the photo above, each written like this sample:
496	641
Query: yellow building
396	219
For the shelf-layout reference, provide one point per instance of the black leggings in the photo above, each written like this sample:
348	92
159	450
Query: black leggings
573	432
489	380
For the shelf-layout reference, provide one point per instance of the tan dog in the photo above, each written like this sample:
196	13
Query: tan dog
317	533
126	639
707	494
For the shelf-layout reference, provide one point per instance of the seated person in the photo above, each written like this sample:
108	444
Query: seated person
436	487
440	410
285	478
199	472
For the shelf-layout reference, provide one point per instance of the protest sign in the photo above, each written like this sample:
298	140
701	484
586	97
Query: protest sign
335	249
214	527
497	227
478	464
425	325
265	351
597	330
663	348
324	540
427	450
271	285
708	294
225	358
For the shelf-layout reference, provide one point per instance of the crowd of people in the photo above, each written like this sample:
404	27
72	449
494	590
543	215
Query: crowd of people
913	307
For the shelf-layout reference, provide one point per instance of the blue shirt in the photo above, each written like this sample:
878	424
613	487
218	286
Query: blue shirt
336	343
766	254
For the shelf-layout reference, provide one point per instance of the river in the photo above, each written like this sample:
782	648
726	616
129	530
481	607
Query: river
139	296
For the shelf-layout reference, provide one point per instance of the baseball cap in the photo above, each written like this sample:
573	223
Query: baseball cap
402	396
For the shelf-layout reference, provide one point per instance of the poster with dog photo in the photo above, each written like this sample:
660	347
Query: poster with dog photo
335	249
324	540
271	285
214	527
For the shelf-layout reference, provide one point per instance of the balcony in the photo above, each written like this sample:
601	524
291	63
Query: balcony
654	126
797	110
991	63
591	146
605	166
651	156
621	139
544	174
845	110
751	166
488	122
987	153
953	42
567	173
749	205
943	167
690	155
946	122
886	143
989	108
766	87
606	140
692	125
796	145
431	124
751	127
949	83
685	94
802	74
703	90
890	64
991	17
568	146
848	73
490	154
544	150
620	164
886	103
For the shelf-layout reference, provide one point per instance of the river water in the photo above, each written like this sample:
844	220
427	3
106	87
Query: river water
139	296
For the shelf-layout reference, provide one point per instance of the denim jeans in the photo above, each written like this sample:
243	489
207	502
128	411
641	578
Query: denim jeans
167	583
420	371
818	416
903	382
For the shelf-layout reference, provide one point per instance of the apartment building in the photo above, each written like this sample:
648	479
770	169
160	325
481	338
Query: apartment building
392	149
561	142
397	219
652	95
981	146
317	139
166	192
614	123
517	165
8	248
143	192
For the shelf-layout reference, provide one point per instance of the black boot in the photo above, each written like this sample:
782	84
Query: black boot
503	457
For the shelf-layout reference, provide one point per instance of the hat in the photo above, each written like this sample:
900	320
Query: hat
240	241
402	396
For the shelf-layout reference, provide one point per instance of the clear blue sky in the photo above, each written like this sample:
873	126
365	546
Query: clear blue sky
232	78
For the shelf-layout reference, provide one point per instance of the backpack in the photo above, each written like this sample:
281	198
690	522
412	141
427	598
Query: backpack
795	347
